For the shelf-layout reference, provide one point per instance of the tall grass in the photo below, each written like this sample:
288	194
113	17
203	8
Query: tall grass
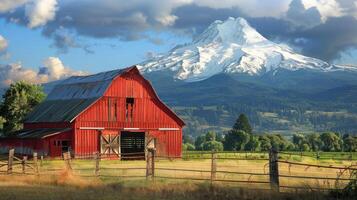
67	186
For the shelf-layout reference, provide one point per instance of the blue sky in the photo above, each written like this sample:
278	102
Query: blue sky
30	48
45	40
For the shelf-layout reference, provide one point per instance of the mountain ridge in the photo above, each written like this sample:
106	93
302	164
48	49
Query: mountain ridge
234	47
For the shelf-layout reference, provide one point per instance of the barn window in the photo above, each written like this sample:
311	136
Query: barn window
129	107
112	109
65	145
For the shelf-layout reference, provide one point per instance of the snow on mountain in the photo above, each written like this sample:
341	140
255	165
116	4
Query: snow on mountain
231	46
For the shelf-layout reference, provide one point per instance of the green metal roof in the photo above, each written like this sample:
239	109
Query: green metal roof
58	110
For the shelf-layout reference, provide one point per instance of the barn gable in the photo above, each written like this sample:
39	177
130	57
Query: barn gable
76	94
133	84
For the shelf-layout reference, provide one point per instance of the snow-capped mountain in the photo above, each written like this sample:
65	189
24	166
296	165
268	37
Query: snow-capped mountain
232	46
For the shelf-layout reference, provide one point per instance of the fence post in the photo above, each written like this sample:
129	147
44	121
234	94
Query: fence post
153	163
213	166
150	163
41	162
24	160
148	157
274	170
10	161
35	162
317	155
97	159
67	159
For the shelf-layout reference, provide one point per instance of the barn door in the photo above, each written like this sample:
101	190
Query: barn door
150	141
110	144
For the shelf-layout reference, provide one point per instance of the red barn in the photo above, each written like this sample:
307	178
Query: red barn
114	112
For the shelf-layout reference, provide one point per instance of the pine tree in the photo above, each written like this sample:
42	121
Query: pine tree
242	124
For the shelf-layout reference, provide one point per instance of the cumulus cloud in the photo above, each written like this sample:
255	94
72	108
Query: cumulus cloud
327	8
9	5
302	16
3	44
3	48
327	40
66	22
252	8
39	12
53	69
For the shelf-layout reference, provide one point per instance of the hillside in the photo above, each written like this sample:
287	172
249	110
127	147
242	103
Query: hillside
230	69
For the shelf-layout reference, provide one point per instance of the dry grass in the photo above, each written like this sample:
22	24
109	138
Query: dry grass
65	186
56	183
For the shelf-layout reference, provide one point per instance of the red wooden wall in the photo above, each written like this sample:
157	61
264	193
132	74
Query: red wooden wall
149	114
44	146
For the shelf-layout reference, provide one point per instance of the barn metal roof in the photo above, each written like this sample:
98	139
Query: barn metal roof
72	96
59	110
84	87
38	133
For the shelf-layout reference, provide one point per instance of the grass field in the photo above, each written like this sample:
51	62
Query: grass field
127	178
70	188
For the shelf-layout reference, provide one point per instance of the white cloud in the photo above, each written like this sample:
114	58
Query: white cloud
347	57
39	12
253	8
52	70
4	54
9	5
3	44
327	8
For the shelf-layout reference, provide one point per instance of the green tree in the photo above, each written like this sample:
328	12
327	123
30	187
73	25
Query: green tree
331	142
265	143
236	140
242	124
314	141
210	136
2	121
199	142
219	137
300	142
213	146
19	100
278	142
188	147
188	139
350	143
253	144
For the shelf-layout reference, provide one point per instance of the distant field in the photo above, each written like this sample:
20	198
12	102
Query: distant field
330	156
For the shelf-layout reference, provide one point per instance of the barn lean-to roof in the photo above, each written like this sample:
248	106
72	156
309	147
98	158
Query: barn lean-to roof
74	95
39	133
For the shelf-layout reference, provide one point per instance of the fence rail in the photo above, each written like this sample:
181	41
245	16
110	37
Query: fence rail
214	170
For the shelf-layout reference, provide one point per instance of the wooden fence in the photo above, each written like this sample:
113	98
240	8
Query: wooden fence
27	166
212	167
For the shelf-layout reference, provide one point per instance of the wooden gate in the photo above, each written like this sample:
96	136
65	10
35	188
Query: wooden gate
110	144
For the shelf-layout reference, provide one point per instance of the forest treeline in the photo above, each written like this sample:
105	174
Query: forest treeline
242	138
